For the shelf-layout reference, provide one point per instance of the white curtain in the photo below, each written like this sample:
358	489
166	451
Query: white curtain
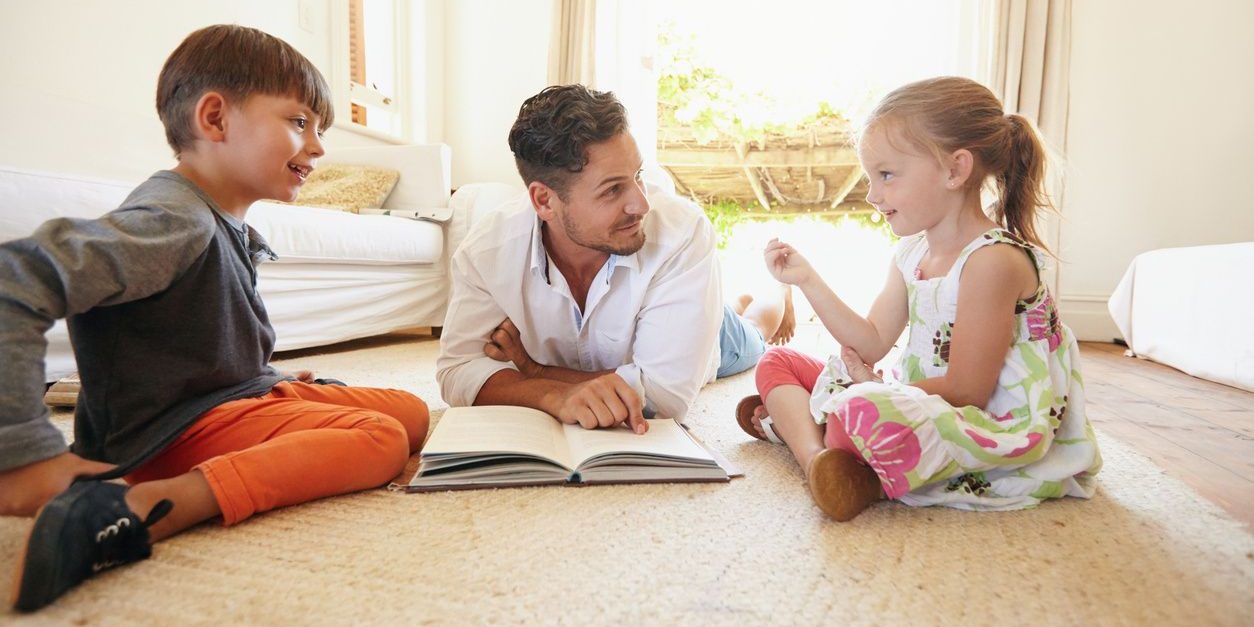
608	45
572	51
1031	63
1029	69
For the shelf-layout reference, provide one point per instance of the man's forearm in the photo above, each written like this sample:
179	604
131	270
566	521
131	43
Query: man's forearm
510	387
566	375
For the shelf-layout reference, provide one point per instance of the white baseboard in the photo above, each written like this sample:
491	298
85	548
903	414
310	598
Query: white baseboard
1088	317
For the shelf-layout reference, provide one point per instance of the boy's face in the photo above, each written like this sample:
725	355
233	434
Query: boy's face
272	144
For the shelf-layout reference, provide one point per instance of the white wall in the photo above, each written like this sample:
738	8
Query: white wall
496	55
79	77
1160	141
1159	138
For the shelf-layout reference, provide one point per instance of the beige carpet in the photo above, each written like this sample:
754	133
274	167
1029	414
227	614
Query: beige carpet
1145	551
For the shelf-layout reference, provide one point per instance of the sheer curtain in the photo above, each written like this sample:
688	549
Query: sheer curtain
572	52
1028	66
608	45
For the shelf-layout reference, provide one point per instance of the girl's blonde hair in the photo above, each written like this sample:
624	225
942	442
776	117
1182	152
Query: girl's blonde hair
945	114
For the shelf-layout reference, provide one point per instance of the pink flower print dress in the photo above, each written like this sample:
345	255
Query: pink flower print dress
1031	442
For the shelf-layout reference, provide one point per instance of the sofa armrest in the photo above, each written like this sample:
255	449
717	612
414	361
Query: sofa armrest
473	201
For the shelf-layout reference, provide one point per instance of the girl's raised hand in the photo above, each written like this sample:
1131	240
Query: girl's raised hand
786	264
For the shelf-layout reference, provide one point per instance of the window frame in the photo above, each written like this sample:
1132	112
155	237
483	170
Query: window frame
345	91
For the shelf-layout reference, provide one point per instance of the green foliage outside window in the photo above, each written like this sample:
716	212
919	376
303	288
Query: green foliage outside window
697	97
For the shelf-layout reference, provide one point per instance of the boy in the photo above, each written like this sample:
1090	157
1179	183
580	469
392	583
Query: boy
173	341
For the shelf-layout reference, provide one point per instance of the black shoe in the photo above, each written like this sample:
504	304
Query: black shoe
84	530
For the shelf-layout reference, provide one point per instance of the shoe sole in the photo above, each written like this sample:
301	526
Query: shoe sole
42	540
744	415
841	485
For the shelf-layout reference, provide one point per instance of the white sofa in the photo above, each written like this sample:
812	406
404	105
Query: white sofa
339	276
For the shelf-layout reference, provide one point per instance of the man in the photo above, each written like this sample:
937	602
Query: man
588	302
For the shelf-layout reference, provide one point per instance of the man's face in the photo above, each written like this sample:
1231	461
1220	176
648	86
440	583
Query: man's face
605	205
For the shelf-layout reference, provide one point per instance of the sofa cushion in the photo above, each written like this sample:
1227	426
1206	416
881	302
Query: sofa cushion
347	187
311	235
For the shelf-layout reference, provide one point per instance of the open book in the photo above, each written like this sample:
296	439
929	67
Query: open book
499	446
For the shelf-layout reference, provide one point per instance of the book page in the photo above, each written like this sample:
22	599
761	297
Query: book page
665	438
499	429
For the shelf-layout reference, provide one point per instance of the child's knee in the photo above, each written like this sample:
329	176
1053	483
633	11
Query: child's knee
775	368
414	415
390	442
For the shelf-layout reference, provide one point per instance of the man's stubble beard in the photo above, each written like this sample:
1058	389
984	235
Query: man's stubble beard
627	249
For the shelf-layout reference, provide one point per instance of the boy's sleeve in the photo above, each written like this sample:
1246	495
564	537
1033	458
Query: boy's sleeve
66	267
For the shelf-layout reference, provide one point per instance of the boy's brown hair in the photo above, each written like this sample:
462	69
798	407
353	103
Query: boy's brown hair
238	62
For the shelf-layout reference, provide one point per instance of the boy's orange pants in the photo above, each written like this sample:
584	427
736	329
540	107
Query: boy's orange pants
298	443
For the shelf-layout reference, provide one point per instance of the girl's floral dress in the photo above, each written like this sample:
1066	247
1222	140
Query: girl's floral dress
1032	441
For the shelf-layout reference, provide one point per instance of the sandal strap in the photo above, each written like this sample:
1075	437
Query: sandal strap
768	427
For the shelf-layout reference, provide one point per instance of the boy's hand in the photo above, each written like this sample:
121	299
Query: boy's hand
786	264
304	376
506	345
606	401
25	489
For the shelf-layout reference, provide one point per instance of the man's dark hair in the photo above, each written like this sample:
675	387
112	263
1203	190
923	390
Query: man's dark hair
554	128
238	62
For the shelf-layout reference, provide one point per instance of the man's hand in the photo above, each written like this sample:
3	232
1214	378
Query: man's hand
304	376
25	489
505	344
605	401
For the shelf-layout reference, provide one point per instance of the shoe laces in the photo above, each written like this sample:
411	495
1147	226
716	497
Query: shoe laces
125	539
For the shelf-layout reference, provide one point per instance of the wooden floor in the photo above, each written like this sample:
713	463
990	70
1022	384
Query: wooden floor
1197	431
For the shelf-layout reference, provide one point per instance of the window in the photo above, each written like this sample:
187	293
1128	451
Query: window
370	85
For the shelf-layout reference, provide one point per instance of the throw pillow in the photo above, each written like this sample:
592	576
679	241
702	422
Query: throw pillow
347	187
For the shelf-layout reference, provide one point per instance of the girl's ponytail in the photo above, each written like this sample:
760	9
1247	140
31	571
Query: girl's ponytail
1021	185
947	113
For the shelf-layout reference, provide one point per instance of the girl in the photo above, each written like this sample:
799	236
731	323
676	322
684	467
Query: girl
988	409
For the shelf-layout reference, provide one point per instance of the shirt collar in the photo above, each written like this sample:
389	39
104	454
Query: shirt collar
540	256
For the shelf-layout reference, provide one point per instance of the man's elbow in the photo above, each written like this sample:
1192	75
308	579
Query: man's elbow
670	407
447	379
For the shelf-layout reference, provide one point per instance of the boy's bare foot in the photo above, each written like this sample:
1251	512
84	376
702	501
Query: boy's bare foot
788	322
841	485
858	370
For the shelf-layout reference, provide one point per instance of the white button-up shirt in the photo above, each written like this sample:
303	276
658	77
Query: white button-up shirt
653	317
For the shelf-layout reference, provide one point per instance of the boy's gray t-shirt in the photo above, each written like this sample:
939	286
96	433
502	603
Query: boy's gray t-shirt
164	315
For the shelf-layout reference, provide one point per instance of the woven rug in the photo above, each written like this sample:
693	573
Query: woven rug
1145	551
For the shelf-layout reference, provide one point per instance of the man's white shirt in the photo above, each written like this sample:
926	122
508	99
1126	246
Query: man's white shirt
653	317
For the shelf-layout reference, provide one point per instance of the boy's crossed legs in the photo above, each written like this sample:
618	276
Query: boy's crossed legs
298	443
295	444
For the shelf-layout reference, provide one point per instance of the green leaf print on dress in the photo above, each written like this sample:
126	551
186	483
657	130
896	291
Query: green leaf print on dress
1030	441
